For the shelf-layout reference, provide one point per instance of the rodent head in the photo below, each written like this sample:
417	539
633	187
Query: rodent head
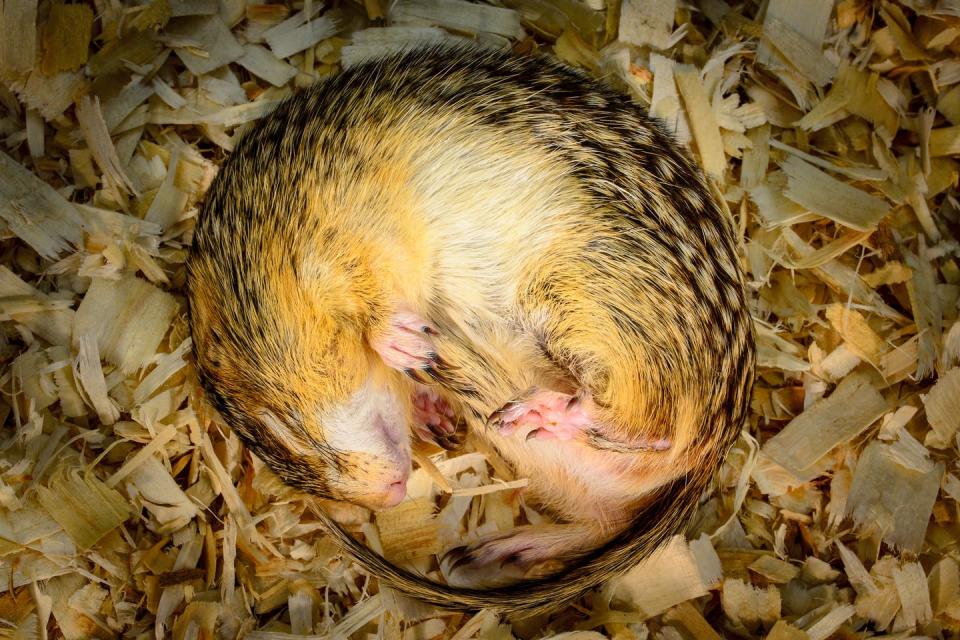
286	282
283	353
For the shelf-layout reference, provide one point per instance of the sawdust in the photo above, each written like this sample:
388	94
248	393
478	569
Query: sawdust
127	509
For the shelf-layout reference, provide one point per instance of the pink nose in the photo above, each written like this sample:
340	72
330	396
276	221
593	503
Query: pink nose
395	493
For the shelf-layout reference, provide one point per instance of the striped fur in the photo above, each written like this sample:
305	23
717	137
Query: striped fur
552	233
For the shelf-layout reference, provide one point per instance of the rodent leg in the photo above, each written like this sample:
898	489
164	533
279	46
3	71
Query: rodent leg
525	552
543	414
550	415
434	420
407	345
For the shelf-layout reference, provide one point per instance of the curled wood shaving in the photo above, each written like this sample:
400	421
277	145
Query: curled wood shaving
831	130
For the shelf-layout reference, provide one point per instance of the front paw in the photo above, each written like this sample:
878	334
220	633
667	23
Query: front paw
407	345
435	421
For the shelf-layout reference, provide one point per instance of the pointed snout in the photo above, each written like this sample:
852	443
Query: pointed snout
371	436
395	493
383	493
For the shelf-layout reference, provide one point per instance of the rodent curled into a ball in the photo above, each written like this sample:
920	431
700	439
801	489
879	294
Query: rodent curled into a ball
453	232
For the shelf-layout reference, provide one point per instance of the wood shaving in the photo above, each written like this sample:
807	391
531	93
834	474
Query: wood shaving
128	509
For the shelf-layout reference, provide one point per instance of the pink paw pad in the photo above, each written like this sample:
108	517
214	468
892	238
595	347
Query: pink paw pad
434	420
407	345
550	415
546	415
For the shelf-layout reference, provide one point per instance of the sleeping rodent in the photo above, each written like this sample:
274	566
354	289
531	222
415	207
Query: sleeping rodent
500	237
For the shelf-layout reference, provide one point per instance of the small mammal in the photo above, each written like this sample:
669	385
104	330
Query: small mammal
501	233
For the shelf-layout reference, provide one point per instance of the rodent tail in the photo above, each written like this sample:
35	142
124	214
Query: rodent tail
652	526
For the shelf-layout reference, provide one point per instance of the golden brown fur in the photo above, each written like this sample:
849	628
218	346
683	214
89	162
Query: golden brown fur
551	234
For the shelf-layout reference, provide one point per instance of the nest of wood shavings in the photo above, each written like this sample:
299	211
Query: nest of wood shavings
127	509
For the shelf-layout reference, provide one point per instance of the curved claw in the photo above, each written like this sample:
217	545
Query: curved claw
546	414
407	343
416	375
457	557
435	420
505	418
448	441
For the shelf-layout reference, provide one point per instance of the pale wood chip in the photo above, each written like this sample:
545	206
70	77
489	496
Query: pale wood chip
260	62
34	211
85	507
107	312
911	584
90	375
215	44
944	585
854	328
671	576
831	198
825	626
50	321
927	313
157	491
665	101
647	23
706	132
369	44
747	605
97	135
798	51
852	407
286	42
891	500
942	405
774	569
409	530
458	15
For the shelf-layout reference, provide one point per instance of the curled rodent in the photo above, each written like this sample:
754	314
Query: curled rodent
450	238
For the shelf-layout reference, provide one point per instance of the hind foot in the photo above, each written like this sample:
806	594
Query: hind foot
407	345
544	415
549	415
434	420
527	552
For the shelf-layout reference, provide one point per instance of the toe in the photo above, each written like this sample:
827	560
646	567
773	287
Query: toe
498	560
